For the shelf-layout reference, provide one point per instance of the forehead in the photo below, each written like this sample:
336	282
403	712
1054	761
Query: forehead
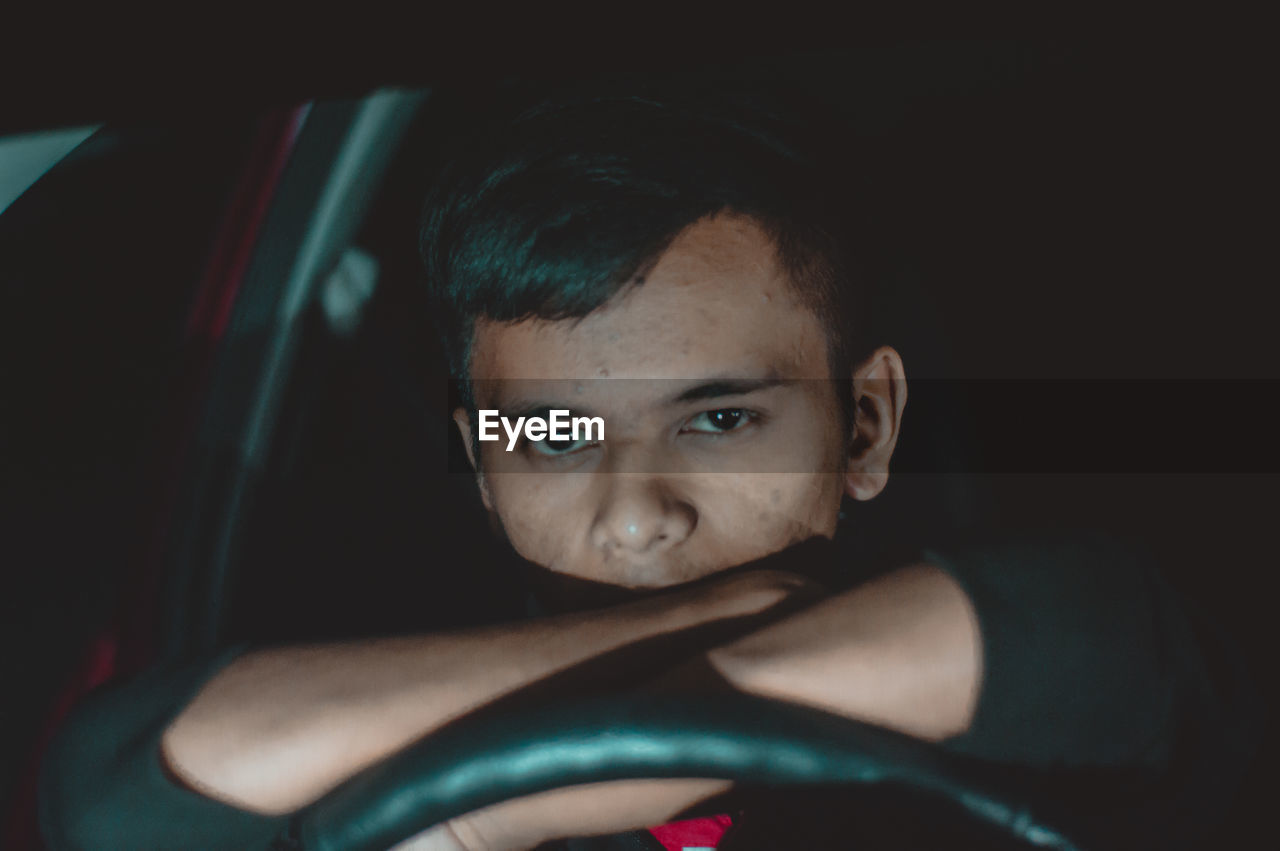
716	304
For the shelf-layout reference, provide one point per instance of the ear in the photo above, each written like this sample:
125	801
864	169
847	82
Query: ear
463	421
879	396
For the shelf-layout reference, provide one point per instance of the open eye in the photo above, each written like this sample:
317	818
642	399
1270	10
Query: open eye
720	421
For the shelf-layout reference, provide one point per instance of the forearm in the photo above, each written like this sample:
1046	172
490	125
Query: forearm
277	728
902	651
1018	654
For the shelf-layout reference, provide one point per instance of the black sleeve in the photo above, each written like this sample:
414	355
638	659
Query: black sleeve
103	785
1094	664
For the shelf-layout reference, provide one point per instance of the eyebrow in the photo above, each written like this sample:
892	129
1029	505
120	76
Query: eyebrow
712	389
721	387
527	410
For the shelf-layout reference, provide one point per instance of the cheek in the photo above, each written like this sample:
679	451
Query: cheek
751	516
525	515
538	512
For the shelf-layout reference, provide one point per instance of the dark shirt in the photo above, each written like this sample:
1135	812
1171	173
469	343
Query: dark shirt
1101	687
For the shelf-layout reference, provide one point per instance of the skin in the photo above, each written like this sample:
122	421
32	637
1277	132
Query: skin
667	499
657	509
661	502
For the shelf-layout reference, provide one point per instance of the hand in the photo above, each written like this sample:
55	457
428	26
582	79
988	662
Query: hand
757	590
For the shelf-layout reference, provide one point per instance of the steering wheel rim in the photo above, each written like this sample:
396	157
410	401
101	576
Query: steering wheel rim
746	739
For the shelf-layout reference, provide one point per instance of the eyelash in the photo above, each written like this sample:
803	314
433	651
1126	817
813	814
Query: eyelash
530	447
749	418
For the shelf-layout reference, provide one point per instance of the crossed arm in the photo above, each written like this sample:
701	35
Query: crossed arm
278	728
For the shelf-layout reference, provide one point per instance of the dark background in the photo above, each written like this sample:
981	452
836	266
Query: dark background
1083	214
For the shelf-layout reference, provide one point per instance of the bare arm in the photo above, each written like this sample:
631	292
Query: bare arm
278	728
1094	662
902	651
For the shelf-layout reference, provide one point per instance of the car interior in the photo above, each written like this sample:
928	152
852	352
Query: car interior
294	475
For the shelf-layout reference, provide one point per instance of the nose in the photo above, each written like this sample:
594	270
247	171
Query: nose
640	514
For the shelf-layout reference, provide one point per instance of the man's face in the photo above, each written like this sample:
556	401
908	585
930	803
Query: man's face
723	434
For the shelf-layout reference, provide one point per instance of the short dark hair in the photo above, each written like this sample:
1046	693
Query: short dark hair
551	211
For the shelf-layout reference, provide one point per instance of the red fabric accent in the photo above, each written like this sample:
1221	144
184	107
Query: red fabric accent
694	833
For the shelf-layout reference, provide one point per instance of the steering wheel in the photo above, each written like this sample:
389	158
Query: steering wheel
750	740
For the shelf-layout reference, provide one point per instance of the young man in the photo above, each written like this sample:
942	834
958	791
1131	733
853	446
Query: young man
682	267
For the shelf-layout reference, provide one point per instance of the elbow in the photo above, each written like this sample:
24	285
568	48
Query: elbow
904	652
